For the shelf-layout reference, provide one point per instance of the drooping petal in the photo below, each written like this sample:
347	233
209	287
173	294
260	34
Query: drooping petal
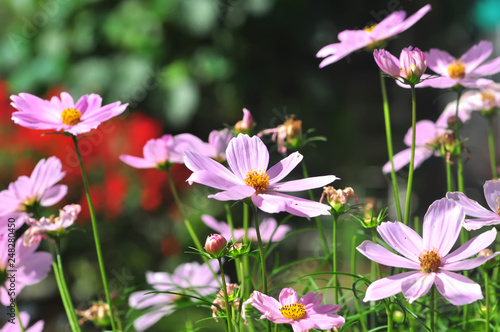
389	286
455	262
303	184
457	289
419	287
283	167
381	255
476	55
473	224
471	207
245	153
402	238
442	224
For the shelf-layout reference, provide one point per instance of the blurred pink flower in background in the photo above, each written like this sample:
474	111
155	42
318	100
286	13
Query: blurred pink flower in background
62	113
248	159
218	140
370	37
31	267
302	314
25	319
430	256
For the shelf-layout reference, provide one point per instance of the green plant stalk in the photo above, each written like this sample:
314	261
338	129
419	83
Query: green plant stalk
229	218
491	144
16	310
96	235
412	157
388	135
334	249
226	299
432	308
449	182
246	261
488	303
377	265
321	231
63	288
362	320
390	320
460	164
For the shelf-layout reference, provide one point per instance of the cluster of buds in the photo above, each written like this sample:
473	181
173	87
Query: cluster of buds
369	219
338	198
286	135
51	227
408	69
232	297
98	313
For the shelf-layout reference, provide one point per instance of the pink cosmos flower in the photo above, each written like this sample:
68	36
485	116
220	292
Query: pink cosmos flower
26	193
430	138
51	225
408	69
189	278
164	151
302	314
249	177
268	227
25	319
30	268
62	113
465	71
486	100
430	256
370	37
482	216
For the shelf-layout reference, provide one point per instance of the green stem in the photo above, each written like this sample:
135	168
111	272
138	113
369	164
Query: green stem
63	289
16	309
488	304
362	319
460	164
226	299
229	218
334	249
432	310
491	144
449	181
412	157
96	236
246	261
261	252
321	231
388	135
377	265
390	320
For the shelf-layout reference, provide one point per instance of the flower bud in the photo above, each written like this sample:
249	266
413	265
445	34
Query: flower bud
413	64
246	125
215	244
338	198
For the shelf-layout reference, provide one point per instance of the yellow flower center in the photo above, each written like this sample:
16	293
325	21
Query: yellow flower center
71	116
429	260
498	209
456	69
370	28
293	311
259	180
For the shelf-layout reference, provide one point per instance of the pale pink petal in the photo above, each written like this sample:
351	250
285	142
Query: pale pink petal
326	320
269	203
389	286
443	82
88	103
196	163
402	158
270	226
457	289
426	132
476	55
235	193
471	207
67	100
419	287
442	224
288	296
137	162
142	300
245	154
284	167
473	224
489	68
54	195
145	321
468	249
410	20
220	227
388	26
37	327
303	184
402	238
438	61
492	194
387	62
311	299
269	307
303	207
475	83
210	179
381	255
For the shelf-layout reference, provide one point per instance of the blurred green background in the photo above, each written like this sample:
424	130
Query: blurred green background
192	65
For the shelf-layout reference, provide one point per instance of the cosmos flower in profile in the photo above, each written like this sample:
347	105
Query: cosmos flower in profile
250	177
370	37
63	113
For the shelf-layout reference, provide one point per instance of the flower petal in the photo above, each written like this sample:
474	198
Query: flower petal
389	286
492	194
245	153
468	249
234	193
137	162
284	167
476	55
381	255
426	132
402	238
303	184
442	224
457	289
438	61
54	195
145	321
288	296
471	207
489	68
269	307
196	162
473	224
417	288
